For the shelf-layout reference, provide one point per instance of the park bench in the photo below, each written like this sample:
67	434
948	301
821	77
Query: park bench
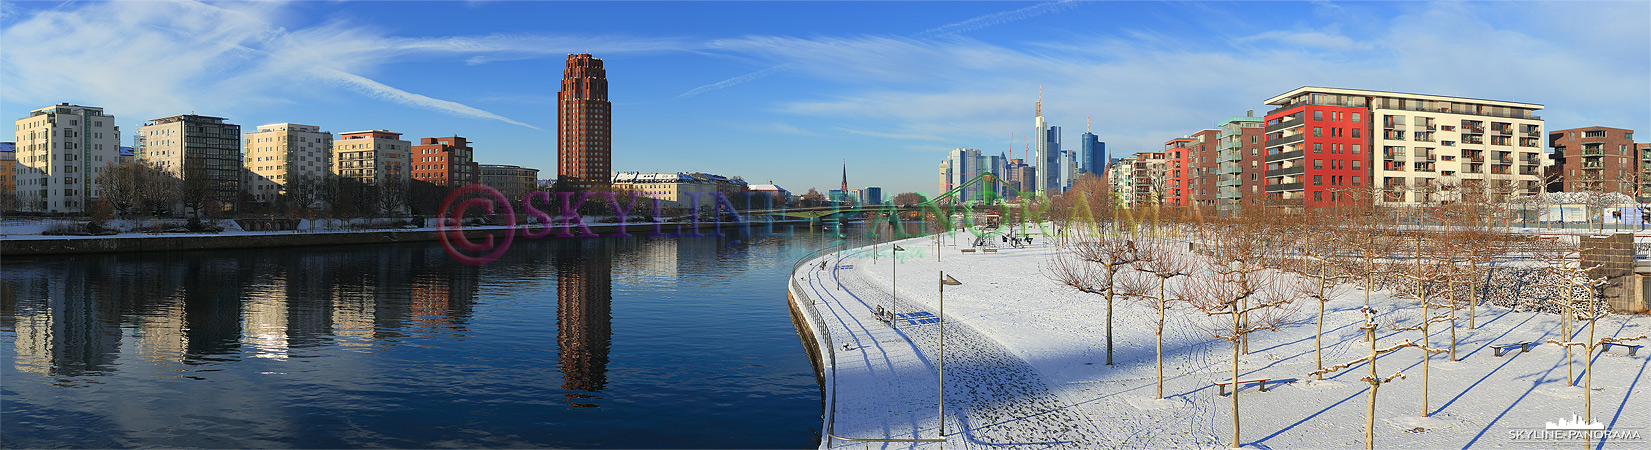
989	250
968	250
1631	348
1523	347
1259	381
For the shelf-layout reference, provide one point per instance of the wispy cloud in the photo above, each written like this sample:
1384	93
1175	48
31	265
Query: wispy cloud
157	58
988	20
742	79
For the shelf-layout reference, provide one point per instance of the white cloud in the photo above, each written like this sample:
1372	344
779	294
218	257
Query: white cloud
146	59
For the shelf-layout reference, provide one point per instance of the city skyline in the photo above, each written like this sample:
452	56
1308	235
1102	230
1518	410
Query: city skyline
774	91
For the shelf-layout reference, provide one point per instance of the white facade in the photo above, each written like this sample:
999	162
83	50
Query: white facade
512	181
60	151
673	189
280	152
372	157
189	146
1423	150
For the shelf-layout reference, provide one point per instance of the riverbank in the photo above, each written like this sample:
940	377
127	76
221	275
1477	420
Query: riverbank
234	238
1025	364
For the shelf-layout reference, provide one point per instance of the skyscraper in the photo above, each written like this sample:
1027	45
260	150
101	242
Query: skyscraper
1092	157
1049	153
584	148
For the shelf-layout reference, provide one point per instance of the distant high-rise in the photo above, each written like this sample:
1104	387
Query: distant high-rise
446	161
584	147
1049	153
1092	155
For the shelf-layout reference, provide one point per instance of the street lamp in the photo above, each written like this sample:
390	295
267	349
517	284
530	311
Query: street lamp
944	281
894	280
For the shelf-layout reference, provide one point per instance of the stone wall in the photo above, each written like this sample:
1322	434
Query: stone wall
1614	254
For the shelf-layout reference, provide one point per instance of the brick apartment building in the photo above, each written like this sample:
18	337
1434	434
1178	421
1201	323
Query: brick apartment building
1594	159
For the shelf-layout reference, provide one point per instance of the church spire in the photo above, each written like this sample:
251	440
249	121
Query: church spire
845	177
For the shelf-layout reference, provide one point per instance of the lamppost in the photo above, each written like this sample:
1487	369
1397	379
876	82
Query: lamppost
944	281
894	283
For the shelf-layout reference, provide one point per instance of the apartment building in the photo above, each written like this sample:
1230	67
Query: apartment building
1120	176
374	157
196	149
1148	179
672	189
1238	170
8	172
515	182
1594	159
1204	160
281	153
445	161
1333	146
60	151
1178	170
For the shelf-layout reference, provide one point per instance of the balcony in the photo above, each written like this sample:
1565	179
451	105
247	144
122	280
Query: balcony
1424	167
1496	169
1285	156
1287	140
1285	125
1426	156
1393	156
1287	171
1285	187
1397	135
1473	130
1397	166
1528	170
1593	165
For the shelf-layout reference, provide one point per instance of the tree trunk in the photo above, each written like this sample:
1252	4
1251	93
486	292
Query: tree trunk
1370	410
1427	356
1160	347
1236	336
1109	273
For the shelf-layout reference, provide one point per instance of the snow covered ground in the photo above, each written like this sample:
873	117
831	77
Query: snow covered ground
1025	367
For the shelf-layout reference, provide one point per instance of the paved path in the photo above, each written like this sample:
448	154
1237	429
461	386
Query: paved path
886	378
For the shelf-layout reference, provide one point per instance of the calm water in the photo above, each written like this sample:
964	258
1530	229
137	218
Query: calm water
603	342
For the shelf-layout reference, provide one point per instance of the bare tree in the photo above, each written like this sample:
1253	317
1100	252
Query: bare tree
1590	308
1325	273
1375	380
1159	261
1564	262
1426	273
1237	282
1075	267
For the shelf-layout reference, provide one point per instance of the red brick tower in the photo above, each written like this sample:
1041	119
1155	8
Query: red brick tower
584	148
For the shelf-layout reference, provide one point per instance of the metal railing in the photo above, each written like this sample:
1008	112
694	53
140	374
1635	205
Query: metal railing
823	336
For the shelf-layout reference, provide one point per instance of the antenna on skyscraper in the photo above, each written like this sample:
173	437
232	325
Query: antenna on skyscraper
1040	101
1086	124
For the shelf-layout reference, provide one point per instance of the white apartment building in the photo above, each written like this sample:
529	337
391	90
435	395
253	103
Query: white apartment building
1425	148
279	153
190	146
673	189
60	151
515	182
373	157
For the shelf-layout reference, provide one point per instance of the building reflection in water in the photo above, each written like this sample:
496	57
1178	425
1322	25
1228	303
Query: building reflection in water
70	314
584	330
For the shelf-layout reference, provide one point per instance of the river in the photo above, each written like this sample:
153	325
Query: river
562	342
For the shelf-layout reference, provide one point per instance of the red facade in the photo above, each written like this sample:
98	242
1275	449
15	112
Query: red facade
445	161
584	148
1333	166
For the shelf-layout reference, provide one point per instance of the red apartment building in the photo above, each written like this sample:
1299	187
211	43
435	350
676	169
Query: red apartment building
1315	155
1594	159
1178	172
445	161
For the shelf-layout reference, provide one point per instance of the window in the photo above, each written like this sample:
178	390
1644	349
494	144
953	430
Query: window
1355	164
1357	181
1356	132
1318	196
1318	180
1318	131
1356	147
1355	119
1318	147
1318	115
1318	164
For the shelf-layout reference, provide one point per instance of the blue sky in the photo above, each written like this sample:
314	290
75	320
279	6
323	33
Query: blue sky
786	91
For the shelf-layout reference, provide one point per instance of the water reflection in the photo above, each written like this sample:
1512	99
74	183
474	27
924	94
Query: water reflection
584	303
72	314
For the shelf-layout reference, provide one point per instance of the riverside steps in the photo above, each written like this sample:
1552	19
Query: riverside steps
1025	362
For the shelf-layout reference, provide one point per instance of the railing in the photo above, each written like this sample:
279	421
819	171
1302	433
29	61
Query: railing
1282	187
1285	156
1298	170
1284	125
1287	140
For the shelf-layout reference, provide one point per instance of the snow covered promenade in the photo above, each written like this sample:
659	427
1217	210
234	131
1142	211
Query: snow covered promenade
1025	367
